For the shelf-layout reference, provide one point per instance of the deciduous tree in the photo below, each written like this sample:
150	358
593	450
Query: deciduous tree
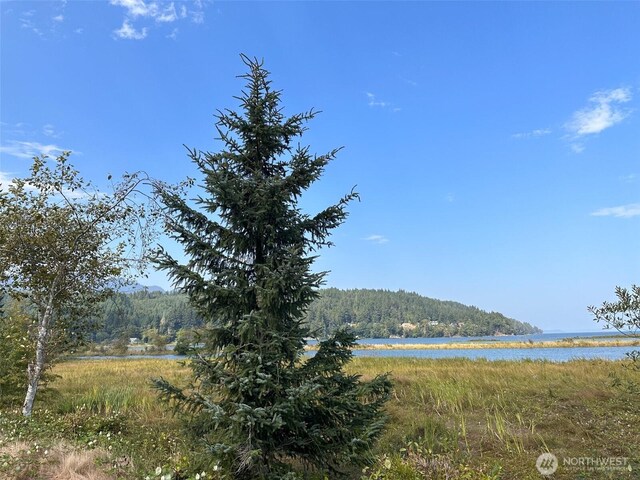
64	246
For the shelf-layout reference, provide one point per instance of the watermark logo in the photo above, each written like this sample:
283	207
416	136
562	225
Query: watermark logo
547	463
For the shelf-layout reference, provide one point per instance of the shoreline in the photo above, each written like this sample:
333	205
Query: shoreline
483	345
570	342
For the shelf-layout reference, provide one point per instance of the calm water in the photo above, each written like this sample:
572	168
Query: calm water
538	337
551	354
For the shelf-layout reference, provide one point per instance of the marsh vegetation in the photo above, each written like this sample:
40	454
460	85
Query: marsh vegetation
455	419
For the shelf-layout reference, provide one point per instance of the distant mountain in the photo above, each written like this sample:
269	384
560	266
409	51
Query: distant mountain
138	287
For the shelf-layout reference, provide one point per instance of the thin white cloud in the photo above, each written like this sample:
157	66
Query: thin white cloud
450	198
631	178
197	16
168	14
538	132
50	131
377	239
622	211
127	32
174	34
26	22
373	102
46	25
604	111
17	129
408	81
137	8
160	12
29	149
577	147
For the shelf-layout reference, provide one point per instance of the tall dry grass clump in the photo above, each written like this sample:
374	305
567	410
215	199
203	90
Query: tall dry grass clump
59	462
72	464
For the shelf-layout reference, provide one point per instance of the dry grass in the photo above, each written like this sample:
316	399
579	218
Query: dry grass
507	413
60	462
122	385
72	464
471	417
14	449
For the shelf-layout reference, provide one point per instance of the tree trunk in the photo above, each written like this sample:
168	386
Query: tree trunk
35	369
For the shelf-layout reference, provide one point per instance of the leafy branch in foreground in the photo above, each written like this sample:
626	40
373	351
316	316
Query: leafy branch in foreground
624	316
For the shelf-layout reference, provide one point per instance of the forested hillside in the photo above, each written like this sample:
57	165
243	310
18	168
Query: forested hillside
382	313
370	313
142	313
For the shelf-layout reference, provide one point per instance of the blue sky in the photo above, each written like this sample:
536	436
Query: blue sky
496	146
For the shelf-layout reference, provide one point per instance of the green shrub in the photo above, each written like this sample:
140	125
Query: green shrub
15	352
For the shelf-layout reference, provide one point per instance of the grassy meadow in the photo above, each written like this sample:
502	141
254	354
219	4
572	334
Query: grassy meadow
484	344
448	419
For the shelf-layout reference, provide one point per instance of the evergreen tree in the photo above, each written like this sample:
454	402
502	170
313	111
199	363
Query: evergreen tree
254	400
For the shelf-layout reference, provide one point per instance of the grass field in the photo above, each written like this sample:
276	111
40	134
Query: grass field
449	419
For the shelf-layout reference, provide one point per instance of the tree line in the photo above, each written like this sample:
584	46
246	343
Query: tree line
367	313
383	314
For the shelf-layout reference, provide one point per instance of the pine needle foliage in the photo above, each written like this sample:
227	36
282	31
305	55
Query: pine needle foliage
260	407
